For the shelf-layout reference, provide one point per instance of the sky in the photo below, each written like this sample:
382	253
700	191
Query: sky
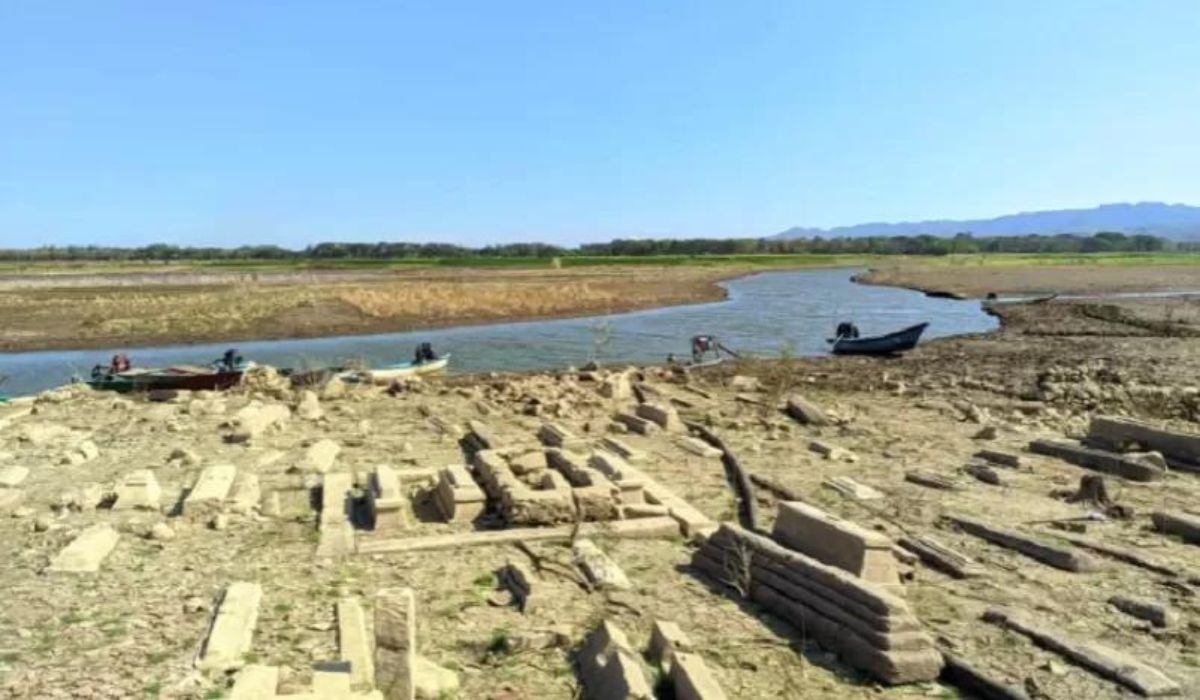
230	123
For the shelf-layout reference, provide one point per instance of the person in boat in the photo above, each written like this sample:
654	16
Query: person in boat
230	361
846	329
424	353
120	363
702	344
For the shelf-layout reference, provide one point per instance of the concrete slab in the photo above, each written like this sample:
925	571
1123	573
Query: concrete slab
232	630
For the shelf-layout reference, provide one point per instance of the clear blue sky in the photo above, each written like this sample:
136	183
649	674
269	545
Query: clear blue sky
475	122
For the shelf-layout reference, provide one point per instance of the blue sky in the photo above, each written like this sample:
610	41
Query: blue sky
293	122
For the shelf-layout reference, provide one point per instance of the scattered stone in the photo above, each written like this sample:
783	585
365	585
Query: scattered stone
941	557
931	480
138	490
740	382
309	407
232	630
1106	662
353	643
616	387
1182	525
600	569
42	523
1053	555
698	447
1003	459
663	415
320	456
246	495
87	551
637	424
623	450
211	489
852	489
831	452
1099	460
219	521
519	579
984	473
837	542
161	532
12	476
395	643
805	412
255	419
1155	613
987	432
184	457
609	668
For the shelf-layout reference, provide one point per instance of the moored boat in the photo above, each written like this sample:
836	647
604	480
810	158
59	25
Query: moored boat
399	370
120	377
890	344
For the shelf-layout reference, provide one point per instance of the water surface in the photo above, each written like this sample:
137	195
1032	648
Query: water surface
767	313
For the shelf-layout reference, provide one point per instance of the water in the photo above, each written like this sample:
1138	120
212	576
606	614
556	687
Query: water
767	313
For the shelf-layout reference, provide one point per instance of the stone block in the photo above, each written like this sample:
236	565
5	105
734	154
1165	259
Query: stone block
831	540
255	682
631	489
211	488
1119	433
246	495
517	577
139	489
692	680
698	447
637	424
87	551
232	630
666	639
320	456
395	643
11	477
458	497
663	415
609	668
11	499
387	502
337	534
805	412
601	570
623	450
254	420
556	435
353	643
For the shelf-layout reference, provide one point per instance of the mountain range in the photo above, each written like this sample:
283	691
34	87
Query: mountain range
1173	221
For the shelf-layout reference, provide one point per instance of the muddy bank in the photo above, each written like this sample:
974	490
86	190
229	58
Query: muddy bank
175	309
138	624
977	281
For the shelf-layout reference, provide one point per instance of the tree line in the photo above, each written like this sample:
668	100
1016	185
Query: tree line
1105	242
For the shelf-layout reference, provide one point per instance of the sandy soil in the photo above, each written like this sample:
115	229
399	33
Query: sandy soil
134	628
980	280
130	310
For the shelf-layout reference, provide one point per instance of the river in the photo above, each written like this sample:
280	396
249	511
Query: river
768	313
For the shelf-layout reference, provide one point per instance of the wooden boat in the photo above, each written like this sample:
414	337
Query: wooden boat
890	344
400	370
189	377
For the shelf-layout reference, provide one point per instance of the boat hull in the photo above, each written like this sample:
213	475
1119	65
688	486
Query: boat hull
386	375
165	380
890	344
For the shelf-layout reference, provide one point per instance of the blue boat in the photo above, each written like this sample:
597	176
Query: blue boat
890	344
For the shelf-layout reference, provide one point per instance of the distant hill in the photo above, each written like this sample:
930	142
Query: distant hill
1174	221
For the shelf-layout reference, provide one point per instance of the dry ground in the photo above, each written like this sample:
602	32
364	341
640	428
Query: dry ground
981	278
133	629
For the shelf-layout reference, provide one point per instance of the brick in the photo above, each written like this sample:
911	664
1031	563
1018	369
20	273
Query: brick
232	630
87	551
395	643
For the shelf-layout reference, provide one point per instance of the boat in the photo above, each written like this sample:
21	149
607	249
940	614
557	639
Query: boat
890	344
389	373
221	374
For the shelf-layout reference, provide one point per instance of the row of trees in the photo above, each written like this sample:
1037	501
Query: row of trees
894	245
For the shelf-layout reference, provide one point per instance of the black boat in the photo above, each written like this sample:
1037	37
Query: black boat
890	344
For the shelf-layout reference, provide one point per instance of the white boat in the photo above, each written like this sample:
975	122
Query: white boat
388	373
